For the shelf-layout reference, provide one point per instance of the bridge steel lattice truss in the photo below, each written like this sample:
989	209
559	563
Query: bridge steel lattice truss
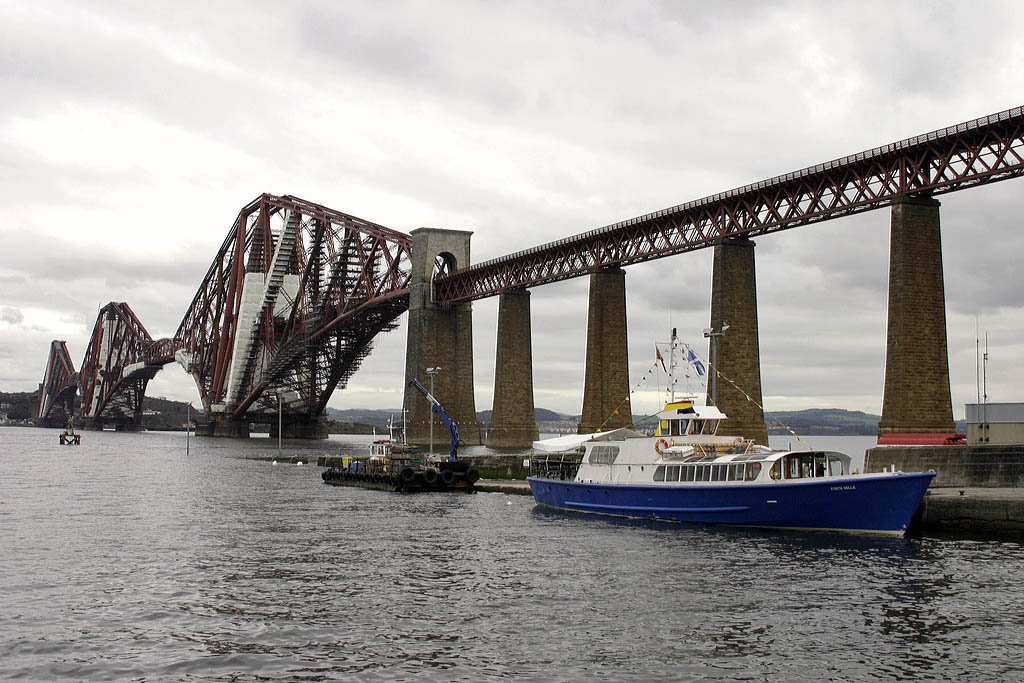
120	360
981	151
298	291
290	307
60	385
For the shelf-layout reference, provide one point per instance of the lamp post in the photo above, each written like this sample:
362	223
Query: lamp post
711	334
430	373
279	425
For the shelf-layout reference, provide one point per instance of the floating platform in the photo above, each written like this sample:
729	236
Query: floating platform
67	439
402	475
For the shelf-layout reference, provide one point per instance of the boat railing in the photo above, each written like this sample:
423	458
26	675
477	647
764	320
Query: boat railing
738	447
563	466
375	464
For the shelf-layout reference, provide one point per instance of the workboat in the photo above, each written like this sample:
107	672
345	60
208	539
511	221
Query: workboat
391	466
396	466
688	472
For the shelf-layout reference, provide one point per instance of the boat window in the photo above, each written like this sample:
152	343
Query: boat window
697	426
776	471
793	469
736	472
673	473
753	469
659	473
819	464
662	428
688	472
603	455
717	473
835	466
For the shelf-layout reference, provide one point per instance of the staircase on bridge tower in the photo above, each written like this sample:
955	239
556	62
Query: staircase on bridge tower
261	293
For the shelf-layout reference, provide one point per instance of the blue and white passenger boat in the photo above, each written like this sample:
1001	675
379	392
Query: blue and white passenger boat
688	472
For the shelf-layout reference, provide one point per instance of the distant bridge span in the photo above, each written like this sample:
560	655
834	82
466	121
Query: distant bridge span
119	362
985	150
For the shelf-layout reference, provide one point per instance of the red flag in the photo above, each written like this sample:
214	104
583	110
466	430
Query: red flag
658	354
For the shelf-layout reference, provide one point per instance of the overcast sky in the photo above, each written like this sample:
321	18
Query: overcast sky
131	133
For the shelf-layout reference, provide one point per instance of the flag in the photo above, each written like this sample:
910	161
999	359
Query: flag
693	360
662	360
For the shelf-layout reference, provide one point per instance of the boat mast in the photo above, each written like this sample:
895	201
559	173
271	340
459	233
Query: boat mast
673	342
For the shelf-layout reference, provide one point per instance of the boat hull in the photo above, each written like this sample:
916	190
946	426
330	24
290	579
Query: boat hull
883	504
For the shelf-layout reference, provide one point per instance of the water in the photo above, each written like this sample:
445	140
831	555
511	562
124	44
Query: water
125	559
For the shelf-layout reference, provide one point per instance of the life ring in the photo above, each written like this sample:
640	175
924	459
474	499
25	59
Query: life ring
660	445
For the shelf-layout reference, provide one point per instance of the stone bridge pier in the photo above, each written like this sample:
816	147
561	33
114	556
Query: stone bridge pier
736	364
916	398
513	418
440	336
606	403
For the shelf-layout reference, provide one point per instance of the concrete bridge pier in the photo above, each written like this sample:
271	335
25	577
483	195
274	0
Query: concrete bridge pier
606	403
316	429
513	419
440	336
221	428
916	398
737	353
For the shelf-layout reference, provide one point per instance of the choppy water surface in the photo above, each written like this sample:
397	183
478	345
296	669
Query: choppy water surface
126	559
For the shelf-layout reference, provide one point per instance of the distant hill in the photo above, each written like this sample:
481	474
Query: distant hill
543	415
380	418
823	422
163	414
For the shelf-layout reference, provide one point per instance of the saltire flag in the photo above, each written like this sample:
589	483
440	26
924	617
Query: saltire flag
662	360
696	362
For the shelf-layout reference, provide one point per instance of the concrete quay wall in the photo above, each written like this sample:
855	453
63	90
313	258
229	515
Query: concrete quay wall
989	510
990	466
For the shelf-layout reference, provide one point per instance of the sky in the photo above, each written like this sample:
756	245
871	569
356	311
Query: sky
131	133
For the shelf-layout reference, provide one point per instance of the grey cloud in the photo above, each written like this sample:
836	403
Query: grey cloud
11	315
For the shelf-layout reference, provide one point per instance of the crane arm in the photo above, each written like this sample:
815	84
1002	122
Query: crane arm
435	406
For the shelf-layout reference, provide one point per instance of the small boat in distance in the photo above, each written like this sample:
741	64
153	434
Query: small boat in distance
688	472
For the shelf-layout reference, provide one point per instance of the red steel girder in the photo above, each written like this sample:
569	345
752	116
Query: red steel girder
120	360
984	150
60	384
319	282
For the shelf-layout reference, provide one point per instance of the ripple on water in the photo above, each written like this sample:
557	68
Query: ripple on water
128	560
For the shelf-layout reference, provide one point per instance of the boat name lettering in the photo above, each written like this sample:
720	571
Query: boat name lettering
847	487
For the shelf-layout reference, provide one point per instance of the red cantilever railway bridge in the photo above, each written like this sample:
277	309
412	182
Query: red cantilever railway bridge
981	151
298	291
